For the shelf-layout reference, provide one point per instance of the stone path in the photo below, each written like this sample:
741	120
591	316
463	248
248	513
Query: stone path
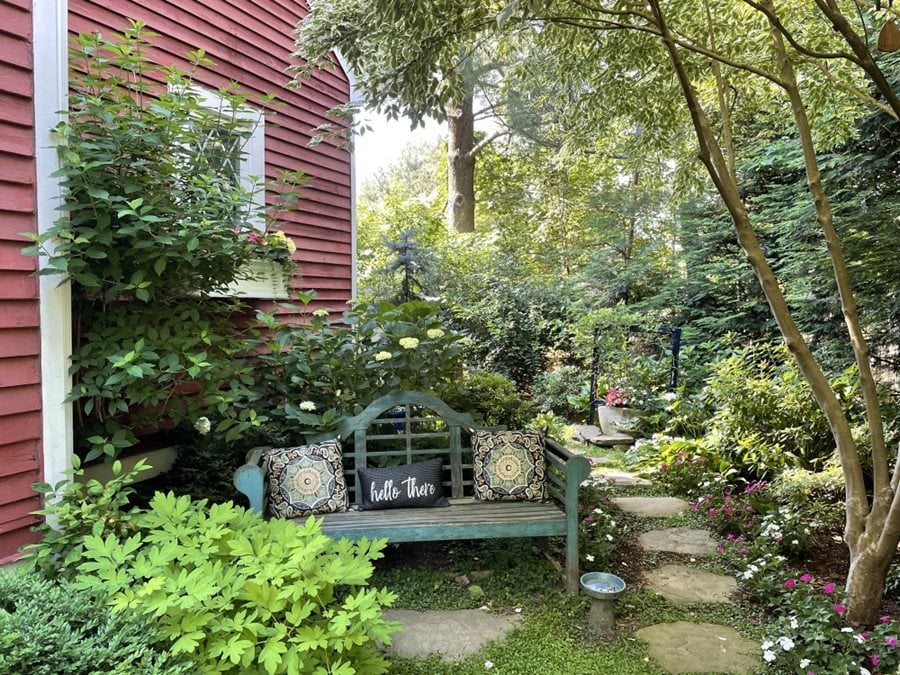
654	507
452	634
680	647
686	585
682	540
684	647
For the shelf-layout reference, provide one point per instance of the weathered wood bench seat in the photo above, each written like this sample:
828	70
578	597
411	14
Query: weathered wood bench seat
412	426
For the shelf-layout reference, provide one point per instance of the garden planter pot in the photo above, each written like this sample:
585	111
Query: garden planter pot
615	420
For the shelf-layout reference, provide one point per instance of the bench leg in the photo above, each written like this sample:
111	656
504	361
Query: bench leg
572	576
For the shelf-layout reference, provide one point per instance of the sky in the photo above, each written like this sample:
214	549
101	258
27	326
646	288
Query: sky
380	147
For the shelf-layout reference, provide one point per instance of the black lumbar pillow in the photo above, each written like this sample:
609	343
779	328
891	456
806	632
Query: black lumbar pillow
407	485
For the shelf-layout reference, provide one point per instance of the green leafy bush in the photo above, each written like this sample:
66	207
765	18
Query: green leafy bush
562	392
50	628
492	398
154	215
820	494
237	593
338	368
766	418
76	510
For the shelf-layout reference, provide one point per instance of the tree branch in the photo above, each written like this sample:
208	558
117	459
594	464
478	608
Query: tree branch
484	142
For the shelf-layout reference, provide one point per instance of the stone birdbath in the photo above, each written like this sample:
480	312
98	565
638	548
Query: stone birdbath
603	589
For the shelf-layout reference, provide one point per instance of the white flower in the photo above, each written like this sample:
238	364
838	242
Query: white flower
767	645
786	643
321	313
768	656
846	629
434	333
804	663
589	557
308	406
794	623
860	639
794	542
864	671
383	356
409	342
488	664
609	537
202	425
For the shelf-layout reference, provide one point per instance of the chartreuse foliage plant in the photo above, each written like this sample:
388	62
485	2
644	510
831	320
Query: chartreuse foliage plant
240	594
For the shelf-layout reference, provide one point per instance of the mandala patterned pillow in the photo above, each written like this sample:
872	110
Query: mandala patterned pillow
508	465
305	480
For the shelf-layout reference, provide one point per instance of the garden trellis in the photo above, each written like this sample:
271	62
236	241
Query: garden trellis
598	358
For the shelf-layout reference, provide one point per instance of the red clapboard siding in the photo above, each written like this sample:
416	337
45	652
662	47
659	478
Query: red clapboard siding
19	399
251	44
20	391
15	372
17	286
19	457
18	342
18	313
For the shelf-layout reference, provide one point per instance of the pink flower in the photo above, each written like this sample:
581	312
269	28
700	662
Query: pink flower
875	660
885	619
890	641
713	512
790	583
840	609
728	510
589	519
806	577
729	536
720	549
855	624
828	589
743	549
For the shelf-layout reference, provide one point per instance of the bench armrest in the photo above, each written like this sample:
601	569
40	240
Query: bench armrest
249	479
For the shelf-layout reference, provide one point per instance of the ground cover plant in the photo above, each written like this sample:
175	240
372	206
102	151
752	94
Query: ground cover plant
219	586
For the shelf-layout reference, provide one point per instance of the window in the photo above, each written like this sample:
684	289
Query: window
237	151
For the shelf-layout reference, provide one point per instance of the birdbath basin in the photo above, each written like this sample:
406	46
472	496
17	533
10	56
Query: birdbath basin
603	589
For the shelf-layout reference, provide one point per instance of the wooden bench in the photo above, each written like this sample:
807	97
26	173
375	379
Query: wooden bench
412	426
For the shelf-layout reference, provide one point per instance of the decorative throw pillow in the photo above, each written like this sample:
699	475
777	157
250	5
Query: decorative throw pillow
508	465
407	485
305	480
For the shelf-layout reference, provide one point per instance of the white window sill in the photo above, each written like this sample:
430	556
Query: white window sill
267	281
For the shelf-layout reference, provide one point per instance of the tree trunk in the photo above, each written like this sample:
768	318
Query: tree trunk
461	165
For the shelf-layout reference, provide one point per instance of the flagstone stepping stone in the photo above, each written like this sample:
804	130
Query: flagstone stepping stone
655	507
685	585
682	540
617	478
451	634
684	647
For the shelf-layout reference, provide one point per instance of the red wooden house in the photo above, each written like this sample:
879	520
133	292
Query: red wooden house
250	44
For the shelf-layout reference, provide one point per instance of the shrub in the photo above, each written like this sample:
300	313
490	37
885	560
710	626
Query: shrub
766	418
819	493
560	392
50	628
79	509
237	593
341	367
492	398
